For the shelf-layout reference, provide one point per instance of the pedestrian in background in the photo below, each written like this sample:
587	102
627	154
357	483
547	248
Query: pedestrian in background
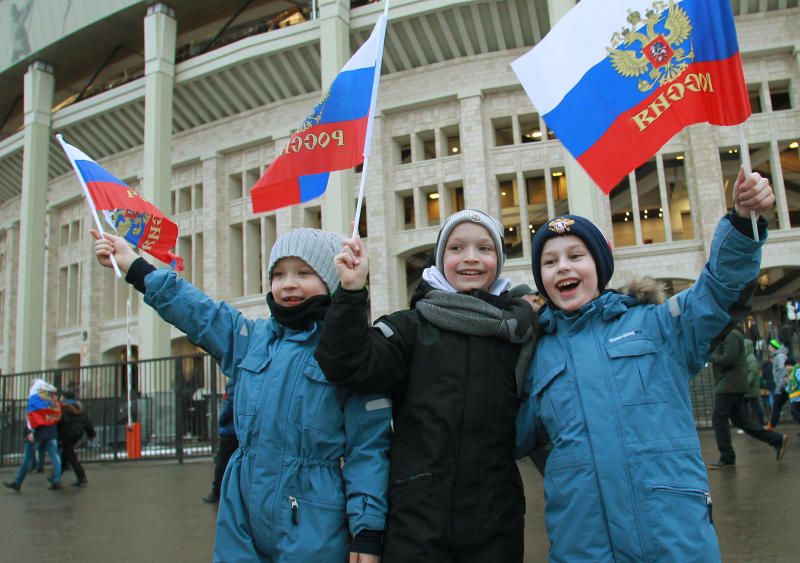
74	424
780	396
767	387
44	412
752	397
793	387
731	382
227	440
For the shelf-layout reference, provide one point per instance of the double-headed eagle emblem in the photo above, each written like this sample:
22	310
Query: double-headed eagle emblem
560	225
660	52
126	222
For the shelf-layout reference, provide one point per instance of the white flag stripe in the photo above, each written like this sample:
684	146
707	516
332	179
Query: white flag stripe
74	153
367	54
575	44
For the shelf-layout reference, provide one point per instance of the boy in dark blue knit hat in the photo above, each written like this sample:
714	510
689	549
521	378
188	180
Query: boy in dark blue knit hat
625	480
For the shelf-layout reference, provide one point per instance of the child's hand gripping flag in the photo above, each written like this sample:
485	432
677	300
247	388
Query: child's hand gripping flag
127	213
332	138
616	79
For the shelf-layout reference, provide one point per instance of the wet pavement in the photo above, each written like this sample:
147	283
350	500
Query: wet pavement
152	511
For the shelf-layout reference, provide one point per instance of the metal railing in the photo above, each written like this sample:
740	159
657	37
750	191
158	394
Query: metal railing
175	401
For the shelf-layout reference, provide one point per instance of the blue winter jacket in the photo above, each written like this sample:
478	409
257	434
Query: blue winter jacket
625	481
225	423
312	465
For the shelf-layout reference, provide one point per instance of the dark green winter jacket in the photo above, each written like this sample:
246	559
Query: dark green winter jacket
730	364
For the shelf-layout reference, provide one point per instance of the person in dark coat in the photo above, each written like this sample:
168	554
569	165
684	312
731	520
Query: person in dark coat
73	425
731	384
227	440
449	363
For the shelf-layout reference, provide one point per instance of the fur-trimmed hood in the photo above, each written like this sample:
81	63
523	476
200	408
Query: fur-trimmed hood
646	290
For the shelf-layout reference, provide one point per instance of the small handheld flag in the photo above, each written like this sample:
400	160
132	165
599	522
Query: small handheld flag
130	215
332	138
616	79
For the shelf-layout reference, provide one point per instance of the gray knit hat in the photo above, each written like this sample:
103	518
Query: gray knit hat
475	216
315	247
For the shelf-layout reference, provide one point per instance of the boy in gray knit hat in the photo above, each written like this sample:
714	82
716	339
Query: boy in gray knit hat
450	363
293	429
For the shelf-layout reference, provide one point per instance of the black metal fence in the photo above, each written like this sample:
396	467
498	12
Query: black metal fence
173	400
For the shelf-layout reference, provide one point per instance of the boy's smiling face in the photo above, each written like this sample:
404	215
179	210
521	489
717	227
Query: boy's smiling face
569	272
294	281
470	258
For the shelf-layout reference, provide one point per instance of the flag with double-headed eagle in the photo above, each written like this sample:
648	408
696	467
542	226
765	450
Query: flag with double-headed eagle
129	215
616	79
43	406
333	137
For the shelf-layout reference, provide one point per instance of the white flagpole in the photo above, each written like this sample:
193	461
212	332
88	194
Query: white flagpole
744	151
89	200
128	351
382	20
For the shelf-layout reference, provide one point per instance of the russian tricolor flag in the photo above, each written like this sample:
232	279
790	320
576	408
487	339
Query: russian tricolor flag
129	214
616	79
43	406
332	138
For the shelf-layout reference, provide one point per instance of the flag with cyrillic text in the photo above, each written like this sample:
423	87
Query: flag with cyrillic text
331	138
129	215
616	79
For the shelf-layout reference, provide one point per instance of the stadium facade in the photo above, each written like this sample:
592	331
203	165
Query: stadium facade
190	101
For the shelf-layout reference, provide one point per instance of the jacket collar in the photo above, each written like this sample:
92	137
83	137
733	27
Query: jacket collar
609	305
294	335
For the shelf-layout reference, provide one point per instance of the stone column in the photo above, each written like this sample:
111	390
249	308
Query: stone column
159	44
215	223
480	192
39	87
338	207
779	185
386	279
705	181
10	305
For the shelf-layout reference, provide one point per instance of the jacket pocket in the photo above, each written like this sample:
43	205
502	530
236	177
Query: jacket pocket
420	501
249	384
555	397
317	404
671	510
634	365
311	530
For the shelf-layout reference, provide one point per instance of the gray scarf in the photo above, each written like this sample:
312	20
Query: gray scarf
467	314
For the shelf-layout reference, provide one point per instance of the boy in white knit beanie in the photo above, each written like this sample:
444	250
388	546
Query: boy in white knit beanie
450	363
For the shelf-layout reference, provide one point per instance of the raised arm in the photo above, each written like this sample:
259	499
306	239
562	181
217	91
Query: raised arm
218	328
696	319
364	359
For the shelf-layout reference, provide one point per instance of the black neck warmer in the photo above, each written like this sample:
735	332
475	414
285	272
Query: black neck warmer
301	316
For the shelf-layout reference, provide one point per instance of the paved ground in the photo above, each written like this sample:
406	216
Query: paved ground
151	511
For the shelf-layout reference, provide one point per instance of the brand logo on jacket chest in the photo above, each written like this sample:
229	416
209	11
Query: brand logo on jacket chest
625	335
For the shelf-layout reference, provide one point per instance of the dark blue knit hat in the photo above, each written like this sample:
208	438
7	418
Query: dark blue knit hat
593	238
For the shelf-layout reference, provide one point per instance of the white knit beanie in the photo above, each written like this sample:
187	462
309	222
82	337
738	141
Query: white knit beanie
315	247
489	223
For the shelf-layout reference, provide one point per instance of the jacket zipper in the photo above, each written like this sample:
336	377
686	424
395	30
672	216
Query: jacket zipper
295	508
687	491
